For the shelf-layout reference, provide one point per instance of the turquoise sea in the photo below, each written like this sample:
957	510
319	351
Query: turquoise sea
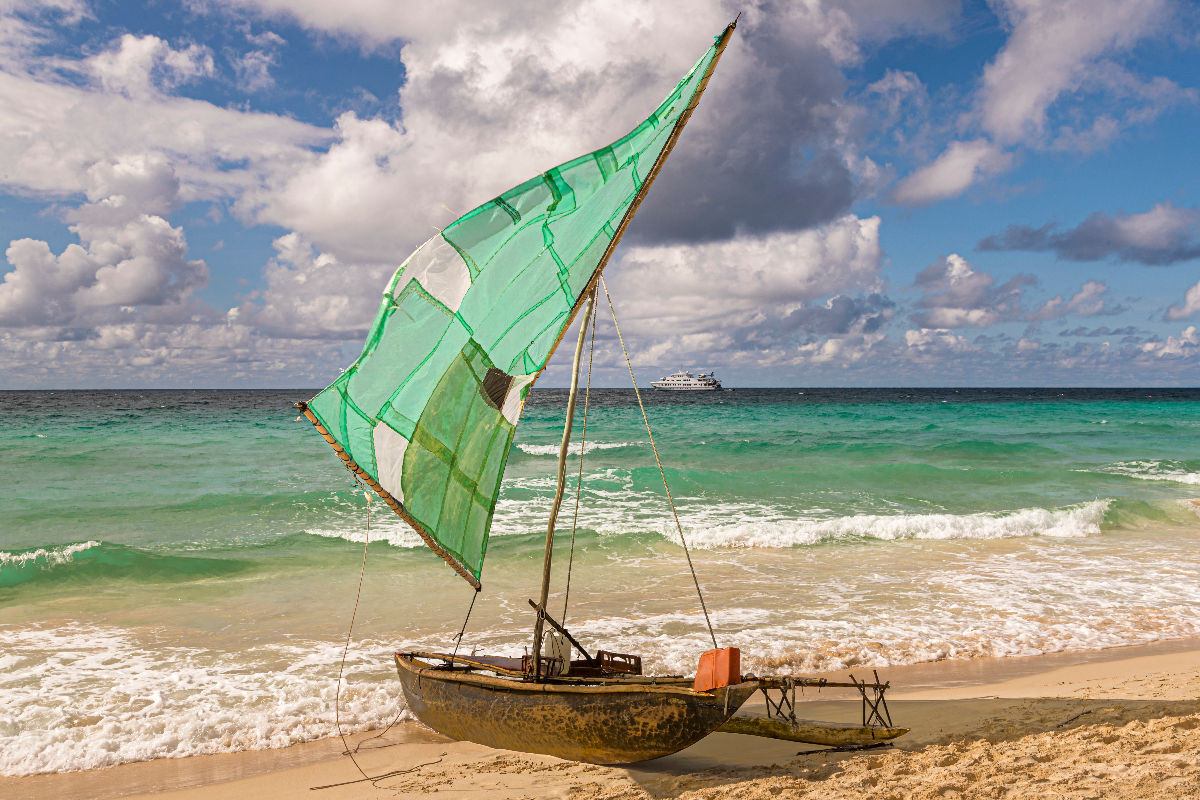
178	568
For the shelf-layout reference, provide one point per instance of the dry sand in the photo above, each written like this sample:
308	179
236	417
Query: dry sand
1117	724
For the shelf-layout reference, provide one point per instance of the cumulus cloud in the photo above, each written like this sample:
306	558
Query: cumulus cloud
753	297
1184	346
711	280
129	254
955	295
951	173
932	342
1189	306
841	314
312	295
1165	234
503	91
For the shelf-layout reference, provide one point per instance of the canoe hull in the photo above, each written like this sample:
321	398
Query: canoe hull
610	723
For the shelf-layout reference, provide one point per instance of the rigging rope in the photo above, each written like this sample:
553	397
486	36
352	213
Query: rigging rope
582	447
657	460
458	638
337	700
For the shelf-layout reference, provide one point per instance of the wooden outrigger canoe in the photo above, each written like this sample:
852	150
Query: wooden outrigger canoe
612	721
602	720
435	454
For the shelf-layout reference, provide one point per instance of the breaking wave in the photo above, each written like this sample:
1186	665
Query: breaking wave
552	449
1174	471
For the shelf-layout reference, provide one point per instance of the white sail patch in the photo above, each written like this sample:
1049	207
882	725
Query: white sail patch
389	458
440	270
511	408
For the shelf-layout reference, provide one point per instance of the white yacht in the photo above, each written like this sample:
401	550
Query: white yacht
687	382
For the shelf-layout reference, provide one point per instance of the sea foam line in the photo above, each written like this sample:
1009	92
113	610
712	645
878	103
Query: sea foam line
725	525
55	555
1152	471
552	449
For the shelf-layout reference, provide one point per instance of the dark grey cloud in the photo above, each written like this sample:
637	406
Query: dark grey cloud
1163	235
764	152
1103	330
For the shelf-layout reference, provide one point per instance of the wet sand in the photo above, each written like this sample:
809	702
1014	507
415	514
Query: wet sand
1121	723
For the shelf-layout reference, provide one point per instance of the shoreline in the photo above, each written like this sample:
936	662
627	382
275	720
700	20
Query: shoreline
946	703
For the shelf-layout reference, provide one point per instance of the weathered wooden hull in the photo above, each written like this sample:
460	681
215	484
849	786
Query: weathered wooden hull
613	722
830	734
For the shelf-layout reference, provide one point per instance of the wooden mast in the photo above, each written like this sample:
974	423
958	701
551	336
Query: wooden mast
563	449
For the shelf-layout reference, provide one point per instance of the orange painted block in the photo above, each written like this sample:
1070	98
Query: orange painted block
721	667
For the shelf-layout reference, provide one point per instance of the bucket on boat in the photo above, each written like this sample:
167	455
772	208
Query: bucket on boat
720	667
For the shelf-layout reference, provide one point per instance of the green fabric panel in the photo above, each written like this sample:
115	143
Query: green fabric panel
374	380
359	439
526	257
447	456
397	421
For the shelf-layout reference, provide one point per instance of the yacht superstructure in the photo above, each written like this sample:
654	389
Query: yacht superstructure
687	382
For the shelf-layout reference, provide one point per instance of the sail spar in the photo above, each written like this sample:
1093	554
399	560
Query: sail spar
426	415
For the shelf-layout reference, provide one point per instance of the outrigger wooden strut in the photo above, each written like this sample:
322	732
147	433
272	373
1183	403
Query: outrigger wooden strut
874	706
781	722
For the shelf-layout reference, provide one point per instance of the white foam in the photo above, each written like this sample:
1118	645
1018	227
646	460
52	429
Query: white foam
1153	471
83	697
54	555
385	527
552	449
733	524
1069	522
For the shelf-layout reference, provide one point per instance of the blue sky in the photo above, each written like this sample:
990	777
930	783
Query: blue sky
214	192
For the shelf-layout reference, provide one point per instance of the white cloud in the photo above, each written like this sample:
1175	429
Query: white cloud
313	295
1087	302
254	70
739	301
688	288
839	350
952	172
26	25
954	295
1052	47
51	134
141	65
928	341
1027	345
1185	345
129	255
1190	305
495	93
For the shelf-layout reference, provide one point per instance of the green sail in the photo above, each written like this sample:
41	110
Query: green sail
426	414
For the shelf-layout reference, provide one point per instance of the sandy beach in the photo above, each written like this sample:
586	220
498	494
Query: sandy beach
1117	724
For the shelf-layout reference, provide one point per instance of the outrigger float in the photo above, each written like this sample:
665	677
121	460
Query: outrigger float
425	417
